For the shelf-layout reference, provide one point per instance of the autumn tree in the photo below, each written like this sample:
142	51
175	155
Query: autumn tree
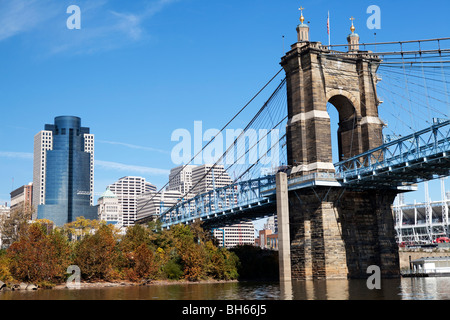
144	266
5	274
138	258
78	229
221	263
13	223
38	255
96	254
190	252
200	235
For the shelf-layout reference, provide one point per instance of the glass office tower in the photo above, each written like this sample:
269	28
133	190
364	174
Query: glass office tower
68	172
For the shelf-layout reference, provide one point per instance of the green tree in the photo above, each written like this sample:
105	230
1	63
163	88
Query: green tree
222	264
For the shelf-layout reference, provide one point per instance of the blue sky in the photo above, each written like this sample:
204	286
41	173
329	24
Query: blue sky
138	70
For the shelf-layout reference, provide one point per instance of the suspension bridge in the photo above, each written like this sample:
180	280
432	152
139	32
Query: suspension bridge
340	186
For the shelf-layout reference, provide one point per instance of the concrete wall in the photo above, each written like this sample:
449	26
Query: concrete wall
420	253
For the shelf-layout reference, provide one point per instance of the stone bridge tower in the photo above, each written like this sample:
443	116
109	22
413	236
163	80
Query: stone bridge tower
335	232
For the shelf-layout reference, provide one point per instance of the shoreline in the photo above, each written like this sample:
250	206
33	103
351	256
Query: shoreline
108	284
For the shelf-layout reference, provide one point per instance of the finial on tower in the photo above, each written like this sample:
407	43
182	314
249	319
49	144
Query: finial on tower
352	28
302	28
353	38
302	18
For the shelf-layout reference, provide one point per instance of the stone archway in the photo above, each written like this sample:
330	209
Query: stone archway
349	133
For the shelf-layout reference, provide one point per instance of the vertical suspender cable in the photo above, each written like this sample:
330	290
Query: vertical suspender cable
406	86
443	74
425	84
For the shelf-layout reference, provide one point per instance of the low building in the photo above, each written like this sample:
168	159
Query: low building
22	197
242	233
431	266
109	209
4	213
272	241
267	239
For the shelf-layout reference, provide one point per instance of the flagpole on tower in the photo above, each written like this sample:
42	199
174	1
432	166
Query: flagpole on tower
328	29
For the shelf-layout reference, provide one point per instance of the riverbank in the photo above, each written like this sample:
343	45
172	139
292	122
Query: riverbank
106	284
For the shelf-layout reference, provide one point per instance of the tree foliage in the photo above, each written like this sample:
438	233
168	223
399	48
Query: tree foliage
81	227
96	254
39	256
12	224
43	253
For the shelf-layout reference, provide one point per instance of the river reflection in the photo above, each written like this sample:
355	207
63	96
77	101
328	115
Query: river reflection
391	289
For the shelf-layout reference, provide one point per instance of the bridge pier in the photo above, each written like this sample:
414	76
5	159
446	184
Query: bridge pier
338	234
284	248
335	232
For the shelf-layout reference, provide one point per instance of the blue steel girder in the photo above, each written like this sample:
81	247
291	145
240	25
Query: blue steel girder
230	200
418	157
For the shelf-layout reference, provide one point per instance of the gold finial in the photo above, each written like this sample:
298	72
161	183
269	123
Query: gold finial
302	19
352	28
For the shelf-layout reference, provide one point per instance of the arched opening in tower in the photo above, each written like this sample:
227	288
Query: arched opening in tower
344	133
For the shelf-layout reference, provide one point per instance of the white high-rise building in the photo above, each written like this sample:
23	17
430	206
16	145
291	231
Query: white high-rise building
43	141
151	204
206	178
238	234
127	190
180	179
89	148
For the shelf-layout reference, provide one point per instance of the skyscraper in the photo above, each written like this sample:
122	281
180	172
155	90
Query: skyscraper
63	173
152	204
127	190
180	179
208	177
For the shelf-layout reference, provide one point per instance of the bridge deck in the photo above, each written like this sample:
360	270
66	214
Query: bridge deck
398	164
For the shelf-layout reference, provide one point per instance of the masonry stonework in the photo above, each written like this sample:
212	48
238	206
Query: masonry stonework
335	232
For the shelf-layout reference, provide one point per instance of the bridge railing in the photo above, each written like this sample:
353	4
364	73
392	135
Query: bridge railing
219	200
422	145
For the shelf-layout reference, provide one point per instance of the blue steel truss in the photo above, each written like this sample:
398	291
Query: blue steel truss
418	157
238	198
421	156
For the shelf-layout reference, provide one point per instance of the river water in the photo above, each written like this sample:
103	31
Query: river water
391	289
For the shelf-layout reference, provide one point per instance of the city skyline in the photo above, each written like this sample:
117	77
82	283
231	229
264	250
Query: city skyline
131	63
